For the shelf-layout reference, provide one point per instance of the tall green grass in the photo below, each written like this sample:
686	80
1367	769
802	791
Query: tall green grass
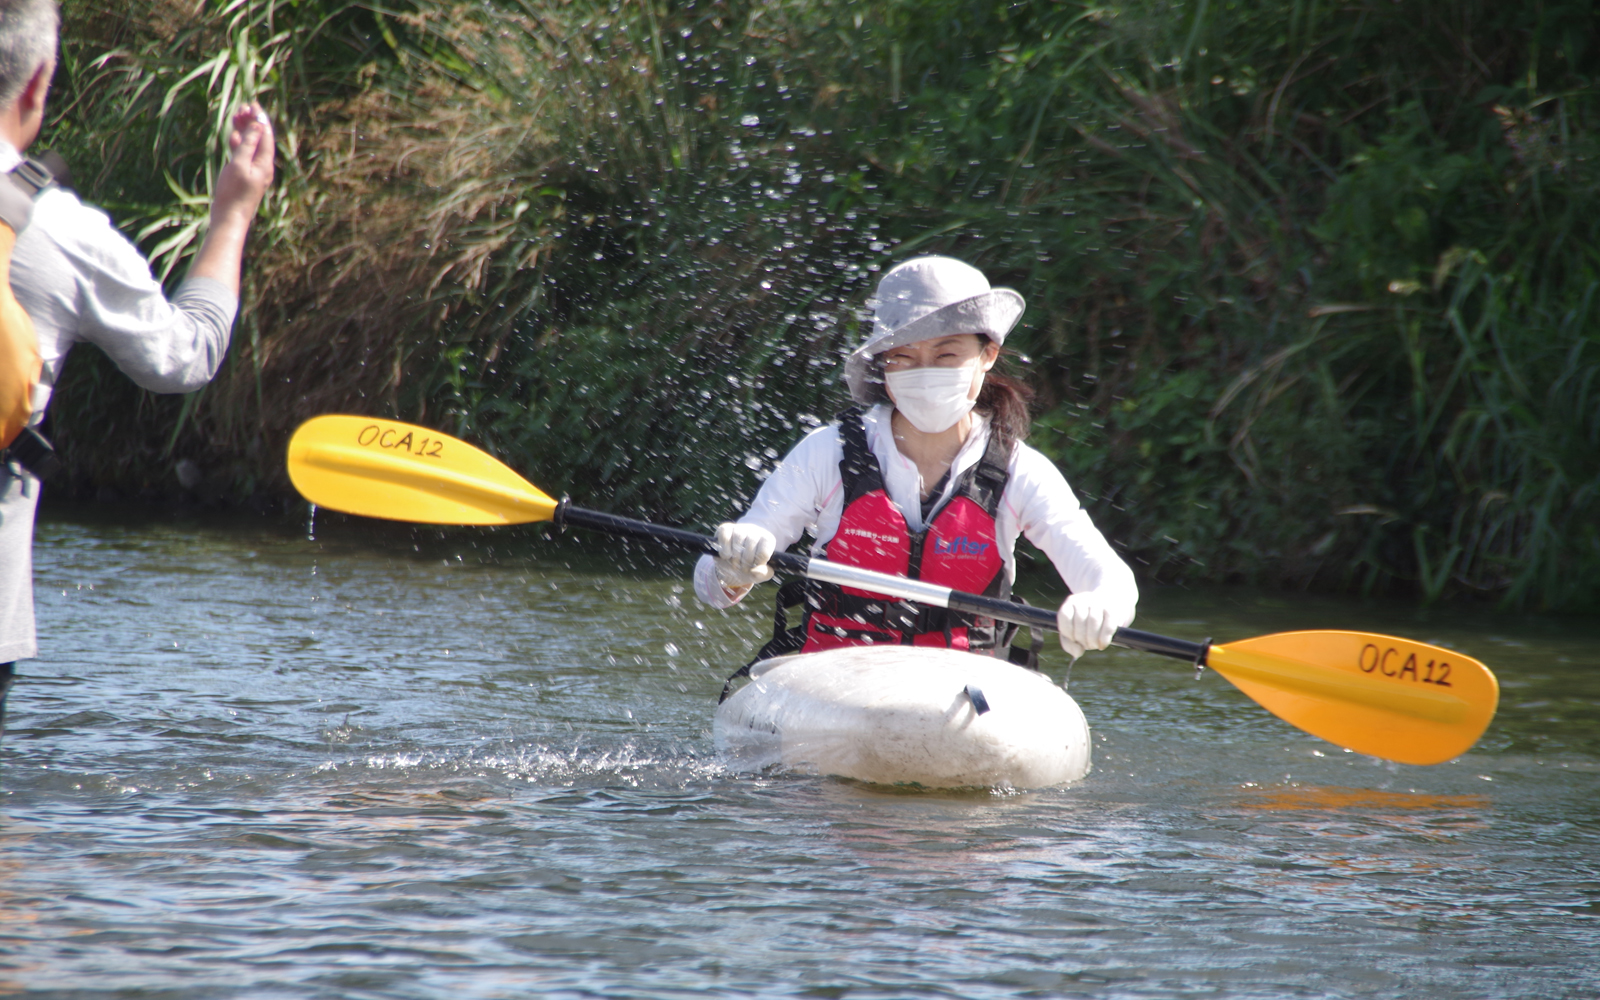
1310	285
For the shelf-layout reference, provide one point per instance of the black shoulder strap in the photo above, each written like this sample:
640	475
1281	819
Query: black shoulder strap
19	186
859	467
53	164
990	475
985	482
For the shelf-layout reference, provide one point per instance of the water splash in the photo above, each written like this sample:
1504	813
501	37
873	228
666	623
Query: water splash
545	764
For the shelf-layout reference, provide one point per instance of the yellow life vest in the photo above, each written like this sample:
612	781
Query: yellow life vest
20	363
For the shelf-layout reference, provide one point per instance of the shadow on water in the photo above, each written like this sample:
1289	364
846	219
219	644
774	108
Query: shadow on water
379	761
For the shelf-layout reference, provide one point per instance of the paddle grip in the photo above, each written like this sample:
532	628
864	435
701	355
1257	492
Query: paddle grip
1044	618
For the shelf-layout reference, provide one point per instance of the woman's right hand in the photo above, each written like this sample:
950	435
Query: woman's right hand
742	554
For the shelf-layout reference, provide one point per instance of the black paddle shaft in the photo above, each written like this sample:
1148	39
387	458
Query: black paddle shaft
1044	618
611	524
976	604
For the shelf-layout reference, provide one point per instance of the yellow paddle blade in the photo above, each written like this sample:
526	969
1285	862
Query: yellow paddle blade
384	468
1392	698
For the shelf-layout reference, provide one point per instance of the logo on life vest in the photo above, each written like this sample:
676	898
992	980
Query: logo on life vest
877	536
959	546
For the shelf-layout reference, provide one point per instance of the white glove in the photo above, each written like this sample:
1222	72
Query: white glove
1085	622
743	551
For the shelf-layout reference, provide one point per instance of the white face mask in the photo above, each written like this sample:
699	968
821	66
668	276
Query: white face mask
933	399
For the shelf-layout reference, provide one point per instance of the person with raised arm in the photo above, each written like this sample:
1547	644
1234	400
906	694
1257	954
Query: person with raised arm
78	279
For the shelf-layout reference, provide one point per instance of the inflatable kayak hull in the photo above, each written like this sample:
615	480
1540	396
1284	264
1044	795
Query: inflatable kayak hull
905	715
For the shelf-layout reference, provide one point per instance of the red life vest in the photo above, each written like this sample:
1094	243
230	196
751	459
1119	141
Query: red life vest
957	548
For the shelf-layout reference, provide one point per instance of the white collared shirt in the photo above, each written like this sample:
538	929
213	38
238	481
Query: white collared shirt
81	279
805	494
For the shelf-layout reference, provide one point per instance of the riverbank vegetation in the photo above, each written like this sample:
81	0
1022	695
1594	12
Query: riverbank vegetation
1312	285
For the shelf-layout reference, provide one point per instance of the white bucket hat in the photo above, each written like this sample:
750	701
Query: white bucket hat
924	298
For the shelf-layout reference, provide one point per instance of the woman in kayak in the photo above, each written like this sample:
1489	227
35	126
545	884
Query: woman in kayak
927	477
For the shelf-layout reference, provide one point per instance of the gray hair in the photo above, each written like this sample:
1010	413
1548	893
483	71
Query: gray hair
28	33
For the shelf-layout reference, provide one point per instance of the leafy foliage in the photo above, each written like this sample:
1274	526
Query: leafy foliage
1310	286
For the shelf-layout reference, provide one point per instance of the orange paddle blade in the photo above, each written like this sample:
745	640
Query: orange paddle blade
1376	694
388	469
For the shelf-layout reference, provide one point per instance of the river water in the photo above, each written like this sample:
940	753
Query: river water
378	763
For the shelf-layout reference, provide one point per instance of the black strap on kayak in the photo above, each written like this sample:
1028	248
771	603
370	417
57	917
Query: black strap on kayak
980	704
784	641
1006	640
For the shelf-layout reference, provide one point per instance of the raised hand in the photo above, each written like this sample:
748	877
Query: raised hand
248	173
239	189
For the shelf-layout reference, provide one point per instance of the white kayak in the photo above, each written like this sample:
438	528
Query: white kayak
905	715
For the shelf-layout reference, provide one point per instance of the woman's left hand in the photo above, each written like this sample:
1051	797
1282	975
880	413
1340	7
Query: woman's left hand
1086	621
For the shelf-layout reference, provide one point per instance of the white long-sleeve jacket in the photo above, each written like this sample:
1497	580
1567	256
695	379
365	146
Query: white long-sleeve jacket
806	494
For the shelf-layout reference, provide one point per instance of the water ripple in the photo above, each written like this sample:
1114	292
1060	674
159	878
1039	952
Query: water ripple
409	776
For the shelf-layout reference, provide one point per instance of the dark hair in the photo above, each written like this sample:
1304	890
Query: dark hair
1007	401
